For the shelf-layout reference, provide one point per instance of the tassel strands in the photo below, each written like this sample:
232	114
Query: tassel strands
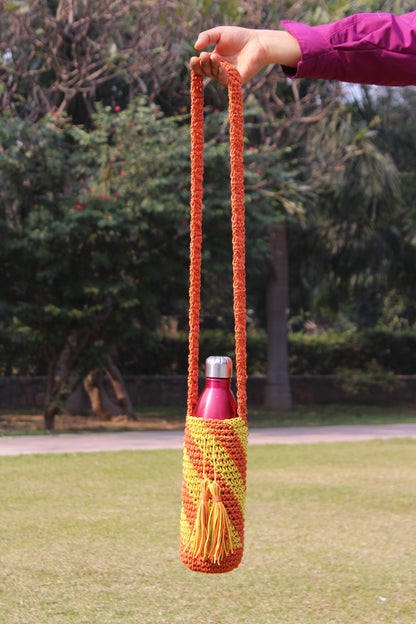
212	536
220	538
200	535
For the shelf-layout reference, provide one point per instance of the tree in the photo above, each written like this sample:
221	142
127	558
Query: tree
394	112
360	203
278	385
292	118
66	55
86	233
56	55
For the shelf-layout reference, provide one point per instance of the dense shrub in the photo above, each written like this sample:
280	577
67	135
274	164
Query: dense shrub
167	353
323	354
327	353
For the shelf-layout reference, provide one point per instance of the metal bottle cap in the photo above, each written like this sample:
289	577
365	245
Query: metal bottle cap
219	367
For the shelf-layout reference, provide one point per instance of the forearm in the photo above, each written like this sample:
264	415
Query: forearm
367	48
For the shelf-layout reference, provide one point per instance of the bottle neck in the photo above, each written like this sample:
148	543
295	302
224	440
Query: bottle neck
214	382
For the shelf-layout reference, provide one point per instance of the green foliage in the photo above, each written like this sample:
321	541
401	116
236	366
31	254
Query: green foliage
96	224
97	227
360	233
167	353
87	230
315	12
373	354
330	352
327	353
66	56
371	378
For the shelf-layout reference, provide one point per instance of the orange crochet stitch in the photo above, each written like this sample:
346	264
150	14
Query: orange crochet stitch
238	233
214	465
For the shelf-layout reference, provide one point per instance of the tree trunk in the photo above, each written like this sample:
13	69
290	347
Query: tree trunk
58	388
120	389
101	404
49	417
48	412
278	394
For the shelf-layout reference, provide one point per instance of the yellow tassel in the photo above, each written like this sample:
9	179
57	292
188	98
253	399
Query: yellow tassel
220	540
199	536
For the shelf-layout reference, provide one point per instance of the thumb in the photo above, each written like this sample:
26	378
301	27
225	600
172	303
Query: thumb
207	37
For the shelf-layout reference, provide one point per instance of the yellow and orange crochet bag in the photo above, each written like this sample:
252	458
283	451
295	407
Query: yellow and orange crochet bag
215	451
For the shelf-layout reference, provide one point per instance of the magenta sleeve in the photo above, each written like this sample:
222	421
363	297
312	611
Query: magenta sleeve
366	48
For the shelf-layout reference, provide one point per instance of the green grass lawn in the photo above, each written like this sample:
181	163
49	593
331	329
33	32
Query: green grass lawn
93	539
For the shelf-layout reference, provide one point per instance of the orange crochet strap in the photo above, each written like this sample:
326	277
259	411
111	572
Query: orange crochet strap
238	233
215	451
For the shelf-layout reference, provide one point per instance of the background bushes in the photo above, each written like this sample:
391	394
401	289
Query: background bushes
167	353
322	354
328	353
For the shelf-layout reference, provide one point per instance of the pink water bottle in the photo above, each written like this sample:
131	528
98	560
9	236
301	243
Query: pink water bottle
217	399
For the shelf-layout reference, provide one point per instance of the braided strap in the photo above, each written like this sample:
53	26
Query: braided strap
215	451
238	234
197	176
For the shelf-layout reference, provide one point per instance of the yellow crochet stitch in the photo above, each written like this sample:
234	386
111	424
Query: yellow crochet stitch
214	491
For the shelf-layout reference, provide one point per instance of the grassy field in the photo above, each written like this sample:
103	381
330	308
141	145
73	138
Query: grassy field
93	539
173	417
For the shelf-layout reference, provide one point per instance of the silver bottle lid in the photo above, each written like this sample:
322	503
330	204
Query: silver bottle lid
218	367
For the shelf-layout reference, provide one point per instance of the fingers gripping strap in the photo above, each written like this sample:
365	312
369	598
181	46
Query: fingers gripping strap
238	234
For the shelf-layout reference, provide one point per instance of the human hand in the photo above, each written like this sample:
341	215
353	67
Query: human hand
241	47
248	50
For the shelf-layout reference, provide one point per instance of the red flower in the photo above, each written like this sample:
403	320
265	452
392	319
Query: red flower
79	207
259	171
122	173
116	196
105	197
117	109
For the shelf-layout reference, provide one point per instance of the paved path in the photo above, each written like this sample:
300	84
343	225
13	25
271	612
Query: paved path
152	440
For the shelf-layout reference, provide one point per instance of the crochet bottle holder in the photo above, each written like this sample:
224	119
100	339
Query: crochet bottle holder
215	451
